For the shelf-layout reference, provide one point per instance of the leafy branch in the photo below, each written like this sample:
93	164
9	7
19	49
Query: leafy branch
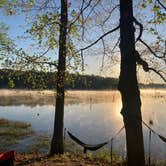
29	59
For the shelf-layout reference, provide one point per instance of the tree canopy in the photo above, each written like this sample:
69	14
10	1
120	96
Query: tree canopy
85	19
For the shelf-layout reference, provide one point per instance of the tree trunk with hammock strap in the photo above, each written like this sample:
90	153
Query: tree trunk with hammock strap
128	87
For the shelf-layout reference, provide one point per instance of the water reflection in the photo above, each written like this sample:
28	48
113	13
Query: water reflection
93	116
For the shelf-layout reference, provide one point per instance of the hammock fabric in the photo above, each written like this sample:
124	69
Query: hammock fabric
6	159
86	146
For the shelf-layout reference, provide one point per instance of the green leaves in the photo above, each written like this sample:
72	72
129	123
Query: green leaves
156	17
8	6
2	2
156	8
150	1
31	2
5	42
46	29
11	84
143	5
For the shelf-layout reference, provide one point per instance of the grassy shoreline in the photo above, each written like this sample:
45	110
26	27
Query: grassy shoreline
73	155
11	132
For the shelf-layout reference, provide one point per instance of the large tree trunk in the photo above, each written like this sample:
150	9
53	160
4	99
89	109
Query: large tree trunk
57	146
128	87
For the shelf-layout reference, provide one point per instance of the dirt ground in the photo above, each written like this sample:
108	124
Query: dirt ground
58	160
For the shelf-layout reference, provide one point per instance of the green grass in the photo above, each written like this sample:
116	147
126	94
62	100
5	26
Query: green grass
12	131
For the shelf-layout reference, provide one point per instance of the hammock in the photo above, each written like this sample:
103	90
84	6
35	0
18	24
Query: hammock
87	146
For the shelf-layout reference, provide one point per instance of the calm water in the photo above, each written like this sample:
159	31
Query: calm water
94	120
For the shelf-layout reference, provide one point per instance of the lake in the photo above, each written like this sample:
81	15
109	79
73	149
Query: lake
93	116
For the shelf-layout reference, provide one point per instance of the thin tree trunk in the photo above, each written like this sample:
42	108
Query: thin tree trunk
57	146
128	87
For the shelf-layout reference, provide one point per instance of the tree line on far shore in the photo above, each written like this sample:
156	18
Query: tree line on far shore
47	80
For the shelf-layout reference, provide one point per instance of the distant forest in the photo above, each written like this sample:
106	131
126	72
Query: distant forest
47	80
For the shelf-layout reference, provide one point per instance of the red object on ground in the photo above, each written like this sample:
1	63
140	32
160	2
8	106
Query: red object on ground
7	155
7	158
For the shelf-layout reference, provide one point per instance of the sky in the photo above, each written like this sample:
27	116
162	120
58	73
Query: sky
18	27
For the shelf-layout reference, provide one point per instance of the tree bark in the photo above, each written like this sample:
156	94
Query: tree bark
128	87
57	146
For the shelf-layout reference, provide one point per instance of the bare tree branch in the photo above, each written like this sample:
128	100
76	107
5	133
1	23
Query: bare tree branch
104	53
116	44
157	72
161	4
141	28
145	66
44	53
92	10
82	25
110	13
101	37
152	50
82	60
139	39
104	49
81	11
